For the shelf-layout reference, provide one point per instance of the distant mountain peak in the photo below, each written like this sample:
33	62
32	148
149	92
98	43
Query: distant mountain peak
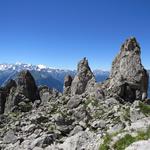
40	66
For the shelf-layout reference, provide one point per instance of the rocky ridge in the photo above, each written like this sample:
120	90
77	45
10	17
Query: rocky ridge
87	115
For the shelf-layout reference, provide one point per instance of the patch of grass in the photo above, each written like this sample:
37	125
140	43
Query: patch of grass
128	140
107	140
105	145
145	108
144	135
124	142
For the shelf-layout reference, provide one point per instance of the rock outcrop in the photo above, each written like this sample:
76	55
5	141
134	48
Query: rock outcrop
4	93
128	78
67	84
83	78
26	85
19	94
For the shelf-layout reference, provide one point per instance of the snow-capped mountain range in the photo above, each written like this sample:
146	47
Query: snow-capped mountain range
20	66
43	75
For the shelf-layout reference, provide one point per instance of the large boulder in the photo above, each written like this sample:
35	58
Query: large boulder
83	79
128	78
139	145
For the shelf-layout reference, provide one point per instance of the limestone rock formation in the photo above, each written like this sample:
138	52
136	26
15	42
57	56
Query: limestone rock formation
67	84
26	85
128	78
19	94
83	78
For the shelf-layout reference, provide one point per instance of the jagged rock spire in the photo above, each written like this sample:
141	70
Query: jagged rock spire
83	77
27	86
128	77
21	96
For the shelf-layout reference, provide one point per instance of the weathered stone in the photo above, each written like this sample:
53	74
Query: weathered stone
128	78
47	94
140	145
4	92
10	137
99	124
74	102
76	130
67	84
24	92
27	86
43	141
83	78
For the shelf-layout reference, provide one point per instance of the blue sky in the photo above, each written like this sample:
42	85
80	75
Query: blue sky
59	33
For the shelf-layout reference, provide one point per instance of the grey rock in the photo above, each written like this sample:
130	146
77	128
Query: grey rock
128	78
76	130
25	91
37	148
74	102
83	78
135	112
47	94
25	107
27	86
77	142
10	137
4	92
43	141
67	84
99	124
111	101
116	128
140	145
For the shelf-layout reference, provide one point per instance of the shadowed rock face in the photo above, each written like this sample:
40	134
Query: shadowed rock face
19	92
26	85
67	84
128	77
83	78
4	92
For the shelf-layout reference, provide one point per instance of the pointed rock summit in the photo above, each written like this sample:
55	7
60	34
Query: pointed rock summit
21	96
128	78
83	78
26	85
